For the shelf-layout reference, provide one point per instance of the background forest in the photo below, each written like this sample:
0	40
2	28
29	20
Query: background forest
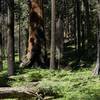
66	65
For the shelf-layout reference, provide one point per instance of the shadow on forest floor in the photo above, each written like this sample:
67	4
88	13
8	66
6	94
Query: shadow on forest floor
4	81
18	70
70	58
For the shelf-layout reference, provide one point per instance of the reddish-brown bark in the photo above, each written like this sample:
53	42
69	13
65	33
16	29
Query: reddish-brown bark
36	33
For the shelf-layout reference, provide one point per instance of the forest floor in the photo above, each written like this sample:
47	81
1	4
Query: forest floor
68	83
57	84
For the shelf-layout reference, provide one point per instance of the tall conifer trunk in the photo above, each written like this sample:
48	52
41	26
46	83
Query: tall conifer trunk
97	68
10	41
1	64
78	20
53	31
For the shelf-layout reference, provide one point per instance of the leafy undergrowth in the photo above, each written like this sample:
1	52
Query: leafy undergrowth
62	85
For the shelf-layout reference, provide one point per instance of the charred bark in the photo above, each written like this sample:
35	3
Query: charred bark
36	47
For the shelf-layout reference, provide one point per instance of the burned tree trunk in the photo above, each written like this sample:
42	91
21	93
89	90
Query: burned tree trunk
36	35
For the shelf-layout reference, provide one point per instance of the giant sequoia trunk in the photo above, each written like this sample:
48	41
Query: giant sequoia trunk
36	43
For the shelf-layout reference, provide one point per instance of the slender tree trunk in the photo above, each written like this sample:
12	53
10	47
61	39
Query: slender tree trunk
97	68
83	37
75	35
59	40
45	42
19	35
53	30
87	21
1	64
83	27
4	29
10	37
78	29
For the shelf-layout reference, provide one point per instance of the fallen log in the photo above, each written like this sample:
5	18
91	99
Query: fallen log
18	92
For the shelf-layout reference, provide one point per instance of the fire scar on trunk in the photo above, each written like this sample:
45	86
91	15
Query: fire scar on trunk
36	34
